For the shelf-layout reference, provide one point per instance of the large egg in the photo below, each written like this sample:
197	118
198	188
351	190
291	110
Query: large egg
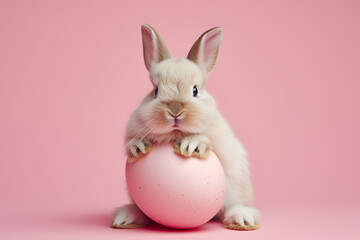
174	191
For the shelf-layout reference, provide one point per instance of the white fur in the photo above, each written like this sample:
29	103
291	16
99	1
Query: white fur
201	125
242	215
129	214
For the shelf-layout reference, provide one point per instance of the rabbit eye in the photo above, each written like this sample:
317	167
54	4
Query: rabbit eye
196	92
156	92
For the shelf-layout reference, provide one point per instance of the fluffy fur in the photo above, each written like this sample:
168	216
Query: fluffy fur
173	112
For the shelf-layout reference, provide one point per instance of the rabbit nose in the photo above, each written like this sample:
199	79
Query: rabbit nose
175	108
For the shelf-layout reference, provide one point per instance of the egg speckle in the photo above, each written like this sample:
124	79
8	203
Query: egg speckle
175	191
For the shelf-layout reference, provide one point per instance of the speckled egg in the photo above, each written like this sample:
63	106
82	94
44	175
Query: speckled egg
174	191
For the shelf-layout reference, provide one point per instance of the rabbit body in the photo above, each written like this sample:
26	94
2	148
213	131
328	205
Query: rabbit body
180	110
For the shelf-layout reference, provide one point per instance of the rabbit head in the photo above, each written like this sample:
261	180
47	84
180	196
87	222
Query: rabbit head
178	101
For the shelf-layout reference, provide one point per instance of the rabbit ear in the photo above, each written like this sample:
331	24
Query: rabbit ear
205	49
155	49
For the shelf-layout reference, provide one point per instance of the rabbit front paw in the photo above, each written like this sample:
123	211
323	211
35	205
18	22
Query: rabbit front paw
193	146
138	148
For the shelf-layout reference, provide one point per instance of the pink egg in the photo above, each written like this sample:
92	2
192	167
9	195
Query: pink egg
174	191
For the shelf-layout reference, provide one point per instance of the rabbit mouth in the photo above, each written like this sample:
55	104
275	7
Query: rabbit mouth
175	119
176	123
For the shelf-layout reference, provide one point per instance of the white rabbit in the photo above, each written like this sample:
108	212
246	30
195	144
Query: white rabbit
180	110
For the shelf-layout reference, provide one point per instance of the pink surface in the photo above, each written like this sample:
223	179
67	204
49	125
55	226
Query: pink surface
287	80
175	191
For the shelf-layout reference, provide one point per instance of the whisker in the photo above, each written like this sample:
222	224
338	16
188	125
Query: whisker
125	147
144	132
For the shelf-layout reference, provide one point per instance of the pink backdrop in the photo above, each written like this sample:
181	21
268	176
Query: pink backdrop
71	73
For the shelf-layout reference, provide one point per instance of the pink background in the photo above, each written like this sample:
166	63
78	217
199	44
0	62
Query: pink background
287	79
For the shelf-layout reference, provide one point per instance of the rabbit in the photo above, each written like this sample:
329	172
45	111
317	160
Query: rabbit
181	111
